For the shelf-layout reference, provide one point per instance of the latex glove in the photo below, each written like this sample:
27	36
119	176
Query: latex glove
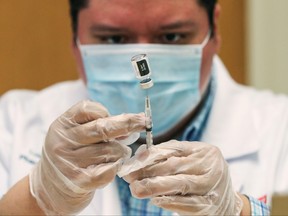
81	153
184	177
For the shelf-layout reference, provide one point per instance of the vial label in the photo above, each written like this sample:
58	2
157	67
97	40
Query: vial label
143	67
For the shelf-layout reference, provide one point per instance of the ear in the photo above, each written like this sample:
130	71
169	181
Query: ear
217	37
77	55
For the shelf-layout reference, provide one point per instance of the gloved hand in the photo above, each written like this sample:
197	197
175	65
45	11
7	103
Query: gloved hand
189	178
81	153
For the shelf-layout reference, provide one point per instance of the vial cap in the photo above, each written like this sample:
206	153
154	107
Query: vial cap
146	84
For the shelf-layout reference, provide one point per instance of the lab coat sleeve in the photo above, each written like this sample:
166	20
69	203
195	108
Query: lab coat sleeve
9	110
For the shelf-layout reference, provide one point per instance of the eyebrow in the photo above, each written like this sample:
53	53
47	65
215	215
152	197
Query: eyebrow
179	24
171	26
106	28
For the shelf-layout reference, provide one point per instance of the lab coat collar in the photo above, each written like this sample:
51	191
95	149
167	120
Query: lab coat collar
232	125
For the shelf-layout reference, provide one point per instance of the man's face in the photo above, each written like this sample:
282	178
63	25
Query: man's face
147	21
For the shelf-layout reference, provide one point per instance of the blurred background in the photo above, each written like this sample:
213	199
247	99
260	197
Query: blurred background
35	41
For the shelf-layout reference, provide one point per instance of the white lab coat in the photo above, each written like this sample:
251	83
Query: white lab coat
250	128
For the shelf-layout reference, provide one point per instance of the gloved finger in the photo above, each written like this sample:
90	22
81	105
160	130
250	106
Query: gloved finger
105	129
128	140
171	185
146	157
94	176
98	153
192	205
83	112
181	148
171	166
185	148
159	154
98	176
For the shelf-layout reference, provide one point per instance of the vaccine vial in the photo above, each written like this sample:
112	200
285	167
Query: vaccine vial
142	70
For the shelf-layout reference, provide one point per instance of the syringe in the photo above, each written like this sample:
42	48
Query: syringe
143	72
149	124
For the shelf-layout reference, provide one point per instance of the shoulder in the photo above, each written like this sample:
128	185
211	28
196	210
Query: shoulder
13	100
68	88
71	90
245	116
245	99
52	100
265	103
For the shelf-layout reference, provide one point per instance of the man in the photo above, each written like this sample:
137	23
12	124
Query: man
193	99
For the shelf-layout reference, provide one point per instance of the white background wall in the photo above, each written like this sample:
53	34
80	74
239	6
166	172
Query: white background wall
267	38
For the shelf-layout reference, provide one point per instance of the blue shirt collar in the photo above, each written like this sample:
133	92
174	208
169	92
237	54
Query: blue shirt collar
196	127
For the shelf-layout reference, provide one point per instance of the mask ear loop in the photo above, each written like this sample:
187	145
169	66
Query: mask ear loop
206	39
78	43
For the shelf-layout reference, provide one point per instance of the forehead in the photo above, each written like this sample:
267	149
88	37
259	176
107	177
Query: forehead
143	4
146	12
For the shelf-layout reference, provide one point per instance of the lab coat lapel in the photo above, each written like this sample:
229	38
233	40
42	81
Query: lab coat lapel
232	124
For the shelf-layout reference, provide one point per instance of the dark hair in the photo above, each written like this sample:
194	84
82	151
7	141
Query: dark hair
77	5
209	6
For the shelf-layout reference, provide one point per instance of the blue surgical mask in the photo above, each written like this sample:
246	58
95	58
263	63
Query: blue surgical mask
175	73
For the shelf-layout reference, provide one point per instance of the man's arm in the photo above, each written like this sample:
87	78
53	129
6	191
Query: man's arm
246	210
19	201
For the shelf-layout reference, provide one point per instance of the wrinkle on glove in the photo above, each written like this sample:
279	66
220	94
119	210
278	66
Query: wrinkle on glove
184	177
81	154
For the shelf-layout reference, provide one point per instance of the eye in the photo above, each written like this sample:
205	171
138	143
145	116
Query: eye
113	39
173	38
